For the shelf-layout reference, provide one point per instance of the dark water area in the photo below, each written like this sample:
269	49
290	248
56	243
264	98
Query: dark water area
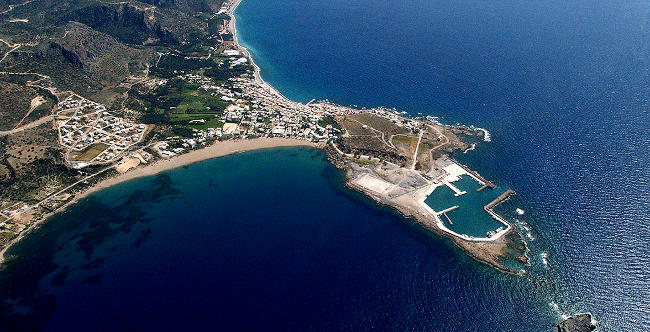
562	86
271	240
255	241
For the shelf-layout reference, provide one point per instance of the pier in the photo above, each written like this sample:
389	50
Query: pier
448	219
482	181
444	213
448	209
499	199
487	184
457	192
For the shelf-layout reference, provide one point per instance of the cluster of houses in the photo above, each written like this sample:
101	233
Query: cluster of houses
255	110
82	123
204	82
235	57
176	145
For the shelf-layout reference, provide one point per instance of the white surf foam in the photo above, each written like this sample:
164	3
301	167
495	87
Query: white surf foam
594	322
471	147
544	256
557	309
486	134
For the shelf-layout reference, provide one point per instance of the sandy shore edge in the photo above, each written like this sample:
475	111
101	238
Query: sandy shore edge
216	150
232	26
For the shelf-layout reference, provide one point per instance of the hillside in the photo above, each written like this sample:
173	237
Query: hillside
119	54
136	23
100	55
133	22
16	102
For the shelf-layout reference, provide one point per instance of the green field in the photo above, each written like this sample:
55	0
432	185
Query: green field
211	123
177	102
401	139
192	99
196	104
90	152
180	118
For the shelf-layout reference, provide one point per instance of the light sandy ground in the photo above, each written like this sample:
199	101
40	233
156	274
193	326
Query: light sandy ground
372	183
454	171
125	166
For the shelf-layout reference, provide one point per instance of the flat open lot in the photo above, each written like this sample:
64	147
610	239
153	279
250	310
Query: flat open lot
90	153
372	183
379	123
355	128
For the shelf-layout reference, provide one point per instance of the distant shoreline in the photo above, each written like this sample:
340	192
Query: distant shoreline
257	71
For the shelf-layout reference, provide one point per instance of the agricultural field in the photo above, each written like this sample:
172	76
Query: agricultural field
194	99
404	143
177	102
89	153
209	123
182	118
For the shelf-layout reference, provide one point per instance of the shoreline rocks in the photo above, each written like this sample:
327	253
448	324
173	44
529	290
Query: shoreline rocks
577	323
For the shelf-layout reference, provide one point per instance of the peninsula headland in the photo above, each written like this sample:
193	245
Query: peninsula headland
221	105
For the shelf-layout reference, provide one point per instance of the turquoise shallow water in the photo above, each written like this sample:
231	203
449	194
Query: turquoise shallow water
470	218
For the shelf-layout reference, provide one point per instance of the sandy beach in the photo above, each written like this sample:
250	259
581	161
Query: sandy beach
217	149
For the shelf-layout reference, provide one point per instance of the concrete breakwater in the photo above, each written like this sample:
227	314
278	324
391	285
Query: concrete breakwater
499	199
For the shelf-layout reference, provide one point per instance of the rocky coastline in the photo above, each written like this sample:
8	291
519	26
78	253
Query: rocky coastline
577	323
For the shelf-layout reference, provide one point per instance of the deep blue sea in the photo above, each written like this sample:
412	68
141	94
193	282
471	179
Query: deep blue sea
271	240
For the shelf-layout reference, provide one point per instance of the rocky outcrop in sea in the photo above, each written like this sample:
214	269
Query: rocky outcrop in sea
577	323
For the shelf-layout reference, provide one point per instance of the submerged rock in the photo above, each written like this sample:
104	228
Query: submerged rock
577	323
